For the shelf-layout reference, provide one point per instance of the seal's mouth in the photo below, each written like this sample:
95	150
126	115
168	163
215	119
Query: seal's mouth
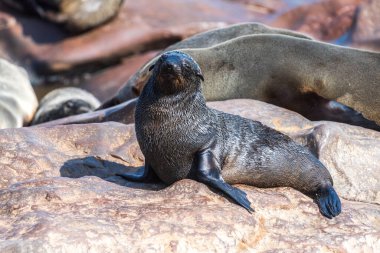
170	75
170	81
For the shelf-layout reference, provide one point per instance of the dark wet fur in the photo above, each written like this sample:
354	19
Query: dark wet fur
182	138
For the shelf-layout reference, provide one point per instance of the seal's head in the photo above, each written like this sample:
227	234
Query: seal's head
176	72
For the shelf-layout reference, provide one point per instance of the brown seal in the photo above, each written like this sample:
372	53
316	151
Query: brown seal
321	81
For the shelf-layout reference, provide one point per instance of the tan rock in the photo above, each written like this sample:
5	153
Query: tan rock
90	214
44	210
366	32
51	152
324	20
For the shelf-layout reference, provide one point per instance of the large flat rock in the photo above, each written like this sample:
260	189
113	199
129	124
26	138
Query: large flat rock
59	193
92	215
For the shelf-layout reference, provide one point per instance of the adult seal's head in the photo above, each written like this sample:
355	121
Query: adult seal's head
176	72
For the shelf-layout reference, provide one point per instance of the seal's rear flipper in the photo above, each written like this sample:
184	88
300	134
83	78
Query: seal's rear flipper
207	171
328	202
141	174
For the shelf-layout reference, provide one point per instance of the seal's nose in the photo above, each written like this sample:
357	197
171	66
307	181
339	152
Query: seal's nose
170	66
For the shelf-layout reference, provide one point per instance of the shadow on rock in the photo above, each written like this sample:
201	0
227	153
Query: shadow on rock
107	170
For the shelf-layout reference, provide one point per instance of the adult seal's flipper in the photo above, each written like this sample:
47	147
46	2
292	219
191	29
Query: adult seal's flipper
207	171
141	174
328	202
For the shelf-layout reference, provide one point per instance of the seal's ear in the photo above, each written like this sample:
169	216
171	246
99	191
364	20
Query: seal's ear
151	67
201	77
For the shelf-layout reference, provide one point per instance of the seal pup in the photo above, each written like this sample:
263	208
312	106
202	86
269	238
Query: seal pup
181	137
64	102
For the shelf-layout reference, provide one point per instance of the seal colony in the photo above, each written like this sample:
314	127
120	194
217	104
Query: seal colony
181	137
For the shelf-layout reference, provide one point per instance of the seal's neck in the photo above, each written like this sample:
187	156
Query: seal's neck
182	104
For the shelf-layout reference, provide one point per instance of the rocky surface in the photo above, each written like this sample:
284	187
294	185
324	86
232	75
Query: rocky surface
366	31
324	20
76	15
92	215
52	201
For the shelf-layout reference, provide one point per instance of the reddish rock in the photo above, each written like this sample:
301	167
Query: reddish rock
63	214
367	29
325	20
47	208
342	148
107	82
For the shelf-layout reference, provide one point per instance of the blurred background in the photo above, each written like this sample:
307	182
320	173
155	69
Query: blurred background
98	44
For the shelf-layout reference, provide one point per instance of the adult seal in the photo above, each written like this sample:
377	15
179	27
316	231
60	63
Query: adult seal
181	137
318	80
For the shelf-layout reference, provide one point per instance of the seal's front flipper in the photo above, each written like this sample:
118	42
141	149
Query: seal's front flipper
328	202
207	171
141	174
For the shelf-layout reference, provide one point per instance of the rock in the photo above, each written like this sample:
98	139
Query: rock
17	99
107	82
342	148
52	202
76	15
49	152
135	29
64	102
62	214
367	31
111	147
324	20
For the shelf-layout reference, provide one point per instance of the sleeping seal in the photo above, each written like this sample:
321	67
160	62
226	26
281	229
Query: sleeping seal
64	102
